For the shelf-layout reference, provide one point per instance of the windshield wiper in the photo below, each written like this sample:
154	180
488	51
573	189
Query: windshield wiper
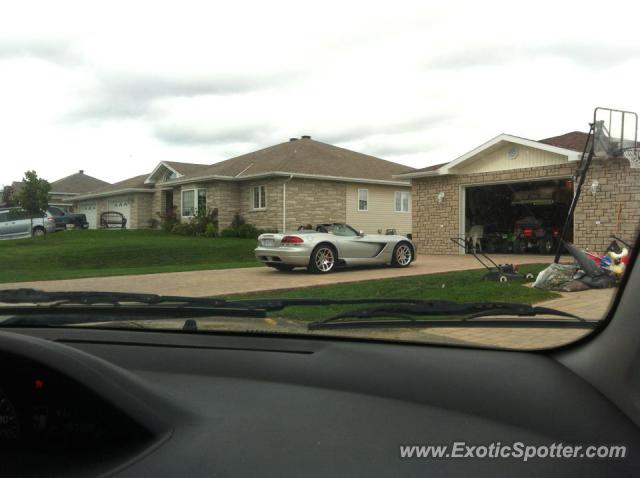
85	307
408	316
60	308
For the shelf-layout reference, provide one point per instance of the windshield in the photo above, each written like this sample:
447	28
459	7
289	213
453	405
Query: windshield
424	174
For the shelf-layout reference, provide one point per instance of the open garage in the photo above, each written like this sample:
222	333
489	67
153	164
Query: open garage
512	194
517	217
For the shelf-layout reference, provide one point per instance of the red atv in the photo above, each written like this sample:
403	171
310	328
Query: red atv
531	234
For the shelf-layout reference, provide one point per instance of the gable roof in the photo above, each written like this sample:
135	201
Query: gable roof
180	169
303	158
135	184
77	183
445	168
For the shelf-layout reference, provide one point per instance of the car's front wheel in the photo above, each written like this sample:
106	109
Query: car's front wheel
39	231
402	255
323	259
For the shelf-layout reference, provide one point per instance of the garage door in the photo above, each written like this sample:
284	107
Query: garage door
520	217
122	206
89	210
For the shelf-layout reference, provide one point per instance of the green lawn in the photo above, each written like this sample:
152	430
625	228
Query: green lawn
464	286
89	253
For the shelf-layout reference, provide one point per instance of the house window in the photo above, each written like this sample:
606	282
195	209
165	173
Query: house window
259	194
188	197
402	201
194	200
202	201
363	199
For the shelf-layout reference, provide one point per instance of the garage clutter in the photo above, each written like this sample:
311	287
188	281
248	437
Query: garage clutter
589	270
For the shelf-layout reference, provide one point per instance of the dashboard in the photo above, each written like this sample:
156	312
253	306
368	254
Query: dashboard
45	413
82	402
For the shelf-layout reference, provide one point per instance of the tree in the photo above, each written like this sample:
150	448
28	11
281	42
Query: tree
34	195
7	196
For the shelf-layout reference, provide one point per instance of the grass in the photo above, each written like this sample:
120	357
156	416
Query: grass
89	253
465	286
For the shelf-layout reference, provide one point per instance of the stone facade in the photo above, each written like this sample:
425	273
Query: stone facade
141	211
595	219
307	201
312	201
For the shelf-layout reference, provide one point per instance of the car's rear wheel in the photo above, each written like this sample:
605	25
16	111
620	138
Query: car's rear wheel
323	259
402	255
282	267
39	231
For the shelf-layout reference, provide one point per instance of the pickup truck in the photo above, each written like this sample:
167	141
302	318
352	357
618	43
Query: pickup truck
64	219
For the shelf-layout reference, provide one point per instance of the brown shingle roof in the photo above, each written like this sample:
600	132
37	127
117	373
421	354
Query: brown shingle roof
77	183
305	156
136	182
186	168
574	140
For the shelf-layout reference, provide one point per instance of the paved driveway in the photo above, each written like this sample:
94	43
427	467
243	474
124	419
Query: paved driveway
254	279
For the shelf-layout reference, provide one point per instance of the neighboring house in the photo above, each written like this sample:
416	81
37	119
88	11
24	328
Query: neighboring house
63	189
281	187
509	175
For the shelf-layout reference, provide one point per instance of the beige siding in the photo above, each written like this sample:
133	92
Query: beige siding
498	160
381	214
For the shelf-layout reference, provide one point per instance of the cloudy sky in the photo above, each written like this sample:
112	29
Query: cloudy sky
115	87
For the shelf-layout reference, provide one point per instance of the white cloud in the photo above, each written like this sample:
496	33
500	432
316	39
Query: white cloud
114	88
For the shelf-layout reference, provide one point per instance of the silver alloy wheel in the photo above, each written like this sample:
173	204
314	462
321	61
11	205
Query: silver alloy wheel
38	232
403	255
324	259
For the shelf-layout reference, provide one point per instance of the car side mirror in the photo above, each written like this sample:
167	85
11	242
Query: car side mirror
361	233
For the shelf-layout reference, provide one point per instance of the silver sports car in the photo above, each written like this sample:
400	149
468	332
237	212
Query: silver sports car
332	245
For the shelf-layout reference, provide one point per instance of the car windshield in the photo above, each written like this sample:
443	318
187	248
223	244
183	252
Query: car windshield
431	174
338	229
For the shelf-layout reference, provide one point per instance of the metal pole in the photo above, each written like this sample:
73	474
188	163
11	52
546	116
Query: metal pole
583	166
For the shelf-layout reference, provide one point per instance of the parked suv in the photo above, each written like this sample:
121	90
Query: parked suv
16	223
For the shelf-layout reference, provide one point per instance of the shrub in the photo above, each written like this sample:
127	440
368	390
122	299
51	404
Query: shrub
153	223
168	220
237	221
247	231
229	232
183	229
210	231
201	220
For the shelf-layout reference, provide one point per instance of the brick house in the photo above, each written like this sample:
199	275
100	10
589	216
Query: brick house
62	190
508	177
280	187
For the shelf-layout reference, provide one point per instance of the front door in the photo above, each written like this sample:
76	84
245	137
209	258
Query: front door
168	202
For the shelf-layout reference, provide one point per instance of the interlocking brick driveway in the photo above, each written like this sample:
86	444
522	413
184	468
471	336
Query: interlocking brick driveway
255	279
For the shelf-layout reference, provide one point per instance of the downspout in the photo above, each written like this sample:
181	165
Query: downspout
284	203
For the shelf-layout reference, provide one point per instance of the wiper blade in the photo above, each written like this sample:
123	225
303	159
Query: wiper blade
35	296
86	307
409	315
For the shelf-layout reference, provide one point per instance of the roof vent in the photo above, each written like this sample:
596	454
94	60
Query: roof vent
81	171
306	137
293	139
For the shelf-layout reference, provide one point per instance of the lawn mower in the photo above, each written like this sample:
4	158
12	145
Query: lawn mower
497	272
